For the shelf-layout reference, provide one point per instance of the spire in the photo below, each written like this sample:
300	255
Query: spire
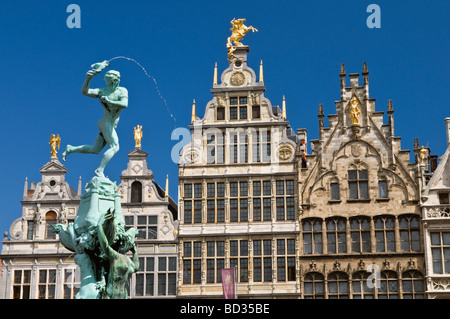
320	116
390	112
261	73
283	114
25	188
167	187
193	112
342	75
365	74
215	75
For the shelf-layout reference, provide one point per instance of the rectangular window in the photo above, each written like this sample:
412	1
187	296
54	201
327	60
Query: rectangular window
188	212
233	113
215	148
215	204
71	285
443	198
198	190
187	190
334	187
382	189
358	184
21	284
243	210
256	209
30	230
285	200
197	211
286	260
238	105
256	112
220	113
47	284
243	112
233	210
440	252
267	209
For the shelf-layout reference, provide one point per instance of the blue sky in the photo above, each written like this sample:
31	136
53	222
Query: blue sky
302	44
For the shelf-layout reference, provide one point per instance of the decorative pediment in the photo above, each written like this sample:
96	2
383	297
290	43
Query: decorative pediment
54	166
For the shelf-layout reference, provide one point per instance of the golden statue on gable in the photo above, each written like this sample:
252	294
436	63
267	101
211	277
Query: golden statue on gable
354	111
138	135
55	142
423	154
238	31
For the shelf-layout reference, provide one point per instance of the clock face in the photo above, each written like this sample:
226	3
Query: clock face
237	79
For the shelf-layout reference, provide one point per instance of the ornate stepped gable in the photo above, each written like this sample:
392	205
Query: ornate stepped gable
363	144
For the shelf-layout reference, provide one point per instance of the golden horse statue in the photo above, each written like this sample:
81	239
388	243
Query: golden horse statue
238	31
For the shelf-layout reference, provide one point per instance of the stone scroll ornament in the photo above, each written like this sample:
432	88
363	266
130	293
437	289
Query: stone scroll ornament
97	236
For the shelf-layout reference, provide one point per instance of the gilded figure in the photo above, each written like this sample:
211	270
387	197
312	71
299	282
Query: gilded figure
138	135
238	31
54	144
354	111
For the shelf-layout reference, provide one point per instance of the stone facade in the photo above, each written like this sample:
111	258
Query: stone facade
238	202
149	209
436	225
36	266
360	195
341	222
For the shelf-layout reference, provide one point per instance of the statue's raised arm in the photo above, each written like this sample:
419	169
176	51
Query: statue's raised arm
96	68
113	99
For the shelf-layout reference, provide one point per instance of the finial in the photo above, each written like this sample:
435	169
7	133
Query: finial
390	107
283	114
138	136
193	112
261	74
342	72
167	186
320	111
25	188
54	143
215	75
365	69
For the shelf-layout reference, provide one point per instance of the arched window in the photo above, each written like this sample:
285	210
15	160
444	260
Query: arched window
338	285
312	236
409	232
50	219
360	234
314	286
362	286
388	285
385	233
413	285
136	192
336	235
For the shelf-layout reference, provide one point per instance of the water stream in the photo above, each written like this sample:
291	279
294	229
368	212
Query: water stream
150	77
